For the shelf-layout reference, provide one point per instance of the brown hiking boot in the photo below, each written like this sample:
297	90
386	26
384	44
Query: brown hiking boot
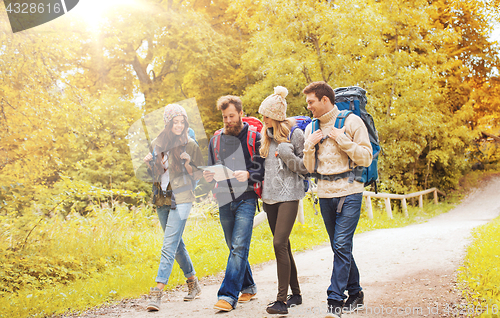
245	298
223	305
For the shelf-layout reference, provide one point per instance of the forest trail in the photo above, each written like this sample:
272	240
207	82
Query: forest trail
407	271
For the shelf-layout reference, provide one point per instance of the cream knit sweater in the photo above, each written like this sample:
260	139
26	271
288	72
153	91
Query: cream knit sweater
333	155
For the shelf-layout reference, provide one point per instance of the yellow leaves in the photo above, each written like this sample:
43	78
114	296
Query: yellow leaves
479	274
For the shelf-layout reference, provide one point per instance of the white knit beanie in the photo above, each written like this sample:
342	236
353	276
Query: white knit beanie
274	106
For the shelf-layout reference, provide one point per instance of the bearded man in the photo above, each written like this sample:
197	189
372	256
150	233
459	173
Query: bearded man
236	198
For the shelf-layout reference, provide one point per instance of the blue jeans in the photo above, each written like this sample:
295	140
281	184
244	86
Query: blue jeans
173	223
340	228
236	219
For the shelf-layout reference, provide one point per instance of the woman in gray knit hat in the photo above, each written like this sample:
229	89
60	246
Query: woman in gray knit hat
282	147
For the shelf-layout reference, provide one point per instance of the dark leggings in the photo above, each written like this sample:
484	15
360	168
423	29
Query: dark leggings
281	218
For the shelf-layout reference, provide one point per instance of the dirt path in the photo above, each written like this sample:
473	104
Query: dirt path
406	271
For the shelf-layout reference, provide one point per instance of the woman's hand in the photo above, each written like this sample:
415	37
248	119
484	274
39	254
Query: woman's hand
186	157
285	149
148	158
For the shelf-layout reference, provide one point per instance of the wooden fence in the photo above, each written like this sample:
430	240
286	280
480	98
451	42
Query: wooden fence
388	196
259	218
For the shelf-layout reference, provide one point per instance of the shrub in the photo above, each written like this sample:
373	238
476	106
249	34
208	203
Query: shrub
480	274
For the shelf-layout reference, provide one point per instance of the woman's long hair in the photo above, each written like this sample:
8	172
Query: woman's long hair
281	130
173	144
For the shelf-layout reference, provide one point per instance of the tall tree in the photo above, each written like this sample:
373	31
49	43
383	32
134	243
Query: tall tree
390	49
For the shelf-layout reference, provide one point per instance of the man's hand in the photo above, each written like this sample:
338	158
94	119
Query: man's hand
208	175
315	137
336	132
241	175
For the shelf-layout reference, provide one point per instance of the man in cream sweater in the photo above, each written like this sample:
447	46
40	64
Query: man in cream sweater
336	152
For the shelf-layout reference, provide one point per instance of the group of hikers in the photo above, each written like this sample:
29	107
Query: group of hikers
276	161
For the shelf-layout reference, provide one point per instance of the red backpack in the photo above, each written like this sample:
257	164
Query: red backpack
255	125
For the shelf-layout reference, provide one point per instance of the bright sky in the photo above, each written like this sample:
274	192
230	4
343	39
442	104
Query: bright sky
93	10
495	36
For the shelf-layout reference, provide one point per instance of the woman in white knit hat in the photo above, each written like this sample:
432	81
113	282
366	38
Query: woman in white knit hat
282	147
175	172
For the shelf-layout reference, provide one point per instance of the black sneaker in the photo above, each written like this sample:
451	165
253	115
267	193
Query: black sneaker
334	309
293	300
354	303
277	307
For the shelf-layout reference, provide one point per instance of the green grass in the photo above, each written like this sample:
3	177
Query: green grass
79	262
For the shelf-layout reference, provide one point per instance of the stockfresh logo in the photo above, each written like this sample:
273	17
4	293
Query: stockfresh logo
27	14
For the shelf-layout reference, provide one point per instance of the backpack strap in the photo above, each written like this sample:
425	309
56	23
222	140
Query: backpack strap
315	126
251	136
291	132
340	120
339	123
216	144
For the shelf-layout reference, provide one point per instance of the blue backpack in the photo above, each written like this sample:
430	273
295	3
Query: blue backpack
352	100
192	135
301	122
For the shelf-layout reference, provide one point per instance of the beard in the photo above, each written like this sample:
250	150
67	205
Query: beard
235	129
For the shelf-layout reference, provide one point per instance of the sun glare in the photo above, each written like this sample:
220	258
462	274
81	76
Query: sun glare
495	35
94	11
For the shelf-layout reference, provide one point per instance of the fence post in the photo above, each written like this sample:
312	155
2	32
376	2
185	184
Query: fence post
259	218
435	197
405	208
369	207
388	207
421	201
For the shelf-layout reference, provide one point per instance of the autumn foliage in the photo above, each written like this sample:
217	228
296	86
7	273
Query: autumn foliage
70	91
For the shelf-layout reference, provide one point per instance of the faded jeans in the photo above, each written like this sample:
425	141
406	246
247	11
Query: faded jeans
340	228
173	223
236	219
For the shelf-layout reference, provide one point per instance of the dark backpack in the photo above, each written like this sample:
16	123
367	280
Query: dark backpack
255	125
352	100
